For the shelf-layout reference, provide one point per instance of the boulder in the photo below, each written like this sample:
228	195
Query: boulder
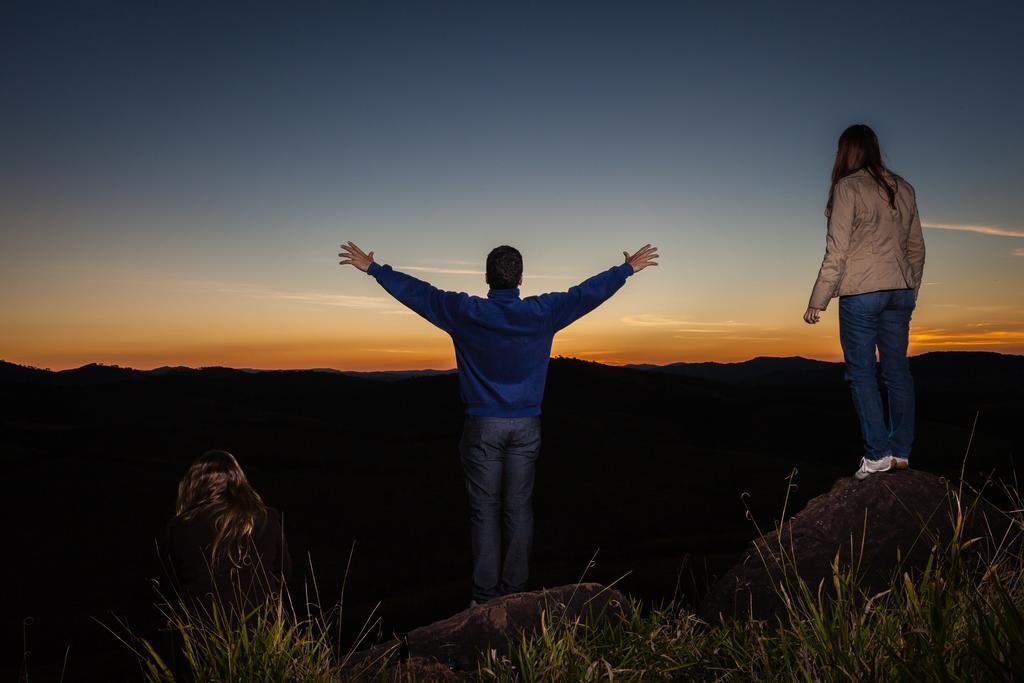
886	522
459	641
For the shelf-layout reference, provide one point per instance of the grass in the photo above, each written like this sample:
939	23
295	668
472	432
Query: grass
958	618
268	642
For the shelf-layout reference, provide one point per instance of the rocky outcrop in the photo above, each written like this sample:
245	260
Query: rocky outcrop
884	523
458	641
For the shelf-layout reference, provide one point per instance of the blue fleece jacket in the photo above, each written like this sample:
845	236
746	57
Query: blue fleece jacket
502	343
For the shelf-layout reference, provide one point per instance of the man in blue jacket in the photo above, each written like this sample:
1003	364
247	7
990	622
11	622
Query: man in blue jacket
502	349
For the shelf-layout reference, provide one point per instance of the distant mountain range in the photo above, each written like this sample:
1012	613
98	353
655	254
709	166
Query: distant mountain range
955	367
97	373
764	370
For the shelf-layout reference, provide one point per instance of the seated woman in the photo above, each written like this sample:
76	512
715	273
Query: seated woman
223	541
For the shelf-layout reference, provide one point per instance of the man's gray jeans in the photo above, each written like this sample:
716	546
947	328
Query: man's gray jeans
498	458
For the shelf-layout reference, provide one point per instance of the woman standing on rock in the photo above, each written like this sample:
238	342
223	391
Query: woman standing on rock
874	261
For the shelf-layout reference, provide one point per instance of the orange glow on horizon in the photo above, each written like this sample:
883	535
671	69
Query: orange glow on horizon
66	317
431	349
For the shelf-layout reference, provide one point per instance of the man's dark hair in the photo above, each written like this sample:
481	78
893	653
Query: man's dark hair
504	267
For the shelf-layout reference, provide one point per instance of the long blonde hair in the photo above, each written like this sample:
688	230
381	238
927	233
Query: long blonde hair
215	483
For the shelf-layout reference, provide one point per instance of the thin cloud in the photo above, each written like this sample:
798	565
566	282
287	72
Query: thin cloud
743	337
976	309
381	304
390	350
324	299
470	271
943	337
734	337
1018	252
654	320
649	319
979	229
445	271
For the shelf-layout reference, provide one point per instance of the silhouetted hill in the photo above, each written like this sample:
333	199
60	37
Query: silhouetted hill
969	369
170	370
392	375
96	373
960	367
93	373
761	370
12	373
953	367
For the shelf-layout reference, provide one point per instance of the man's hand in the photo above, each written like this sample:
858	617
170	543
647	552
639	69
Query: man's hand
812	316
353	255
642	258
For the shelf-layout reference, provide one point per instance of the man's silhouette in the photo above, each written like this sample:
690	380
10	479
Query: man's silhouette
502	348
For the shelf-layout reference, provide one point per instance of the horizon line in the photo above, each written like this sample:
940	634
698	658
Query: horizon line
455	369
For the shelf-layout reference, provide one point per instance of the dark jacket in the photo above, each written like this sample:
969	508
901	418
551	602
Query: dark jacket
502	343
187	549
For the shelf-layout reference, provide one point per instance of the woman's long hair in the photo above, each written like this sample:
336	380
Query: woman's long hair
216	484
858	149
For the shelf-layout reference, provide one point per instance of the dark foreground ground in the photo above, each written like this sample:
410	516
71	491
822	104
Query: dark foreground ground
646	467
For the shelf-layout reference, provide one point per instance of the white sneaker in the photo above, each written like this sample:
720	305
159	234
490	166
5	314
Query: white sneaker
869	467
900	463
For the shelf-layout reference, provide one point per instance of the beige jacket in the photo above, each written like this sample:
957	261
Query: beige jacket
870	246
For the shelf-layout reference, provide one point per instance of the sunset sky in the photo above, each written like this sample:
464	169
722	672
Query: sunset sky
175	180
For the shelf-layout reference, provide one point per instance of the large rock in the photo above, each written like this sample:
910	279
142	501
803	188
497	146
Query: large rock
871	524
460	640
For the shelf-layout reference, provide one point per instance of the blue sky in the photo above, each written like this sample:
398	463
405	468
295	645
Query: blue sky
177	177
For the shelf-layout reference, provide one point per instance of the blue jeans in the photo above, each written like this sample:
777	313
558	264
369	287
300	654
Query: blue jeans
880	320
498	458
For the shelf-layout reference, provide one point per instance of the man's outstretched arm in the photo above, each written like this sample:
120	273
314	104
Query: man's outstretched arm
572	305
438	306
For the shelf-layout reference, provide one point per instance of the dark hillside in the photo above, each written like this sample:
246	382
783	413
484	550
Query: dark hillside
646	466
